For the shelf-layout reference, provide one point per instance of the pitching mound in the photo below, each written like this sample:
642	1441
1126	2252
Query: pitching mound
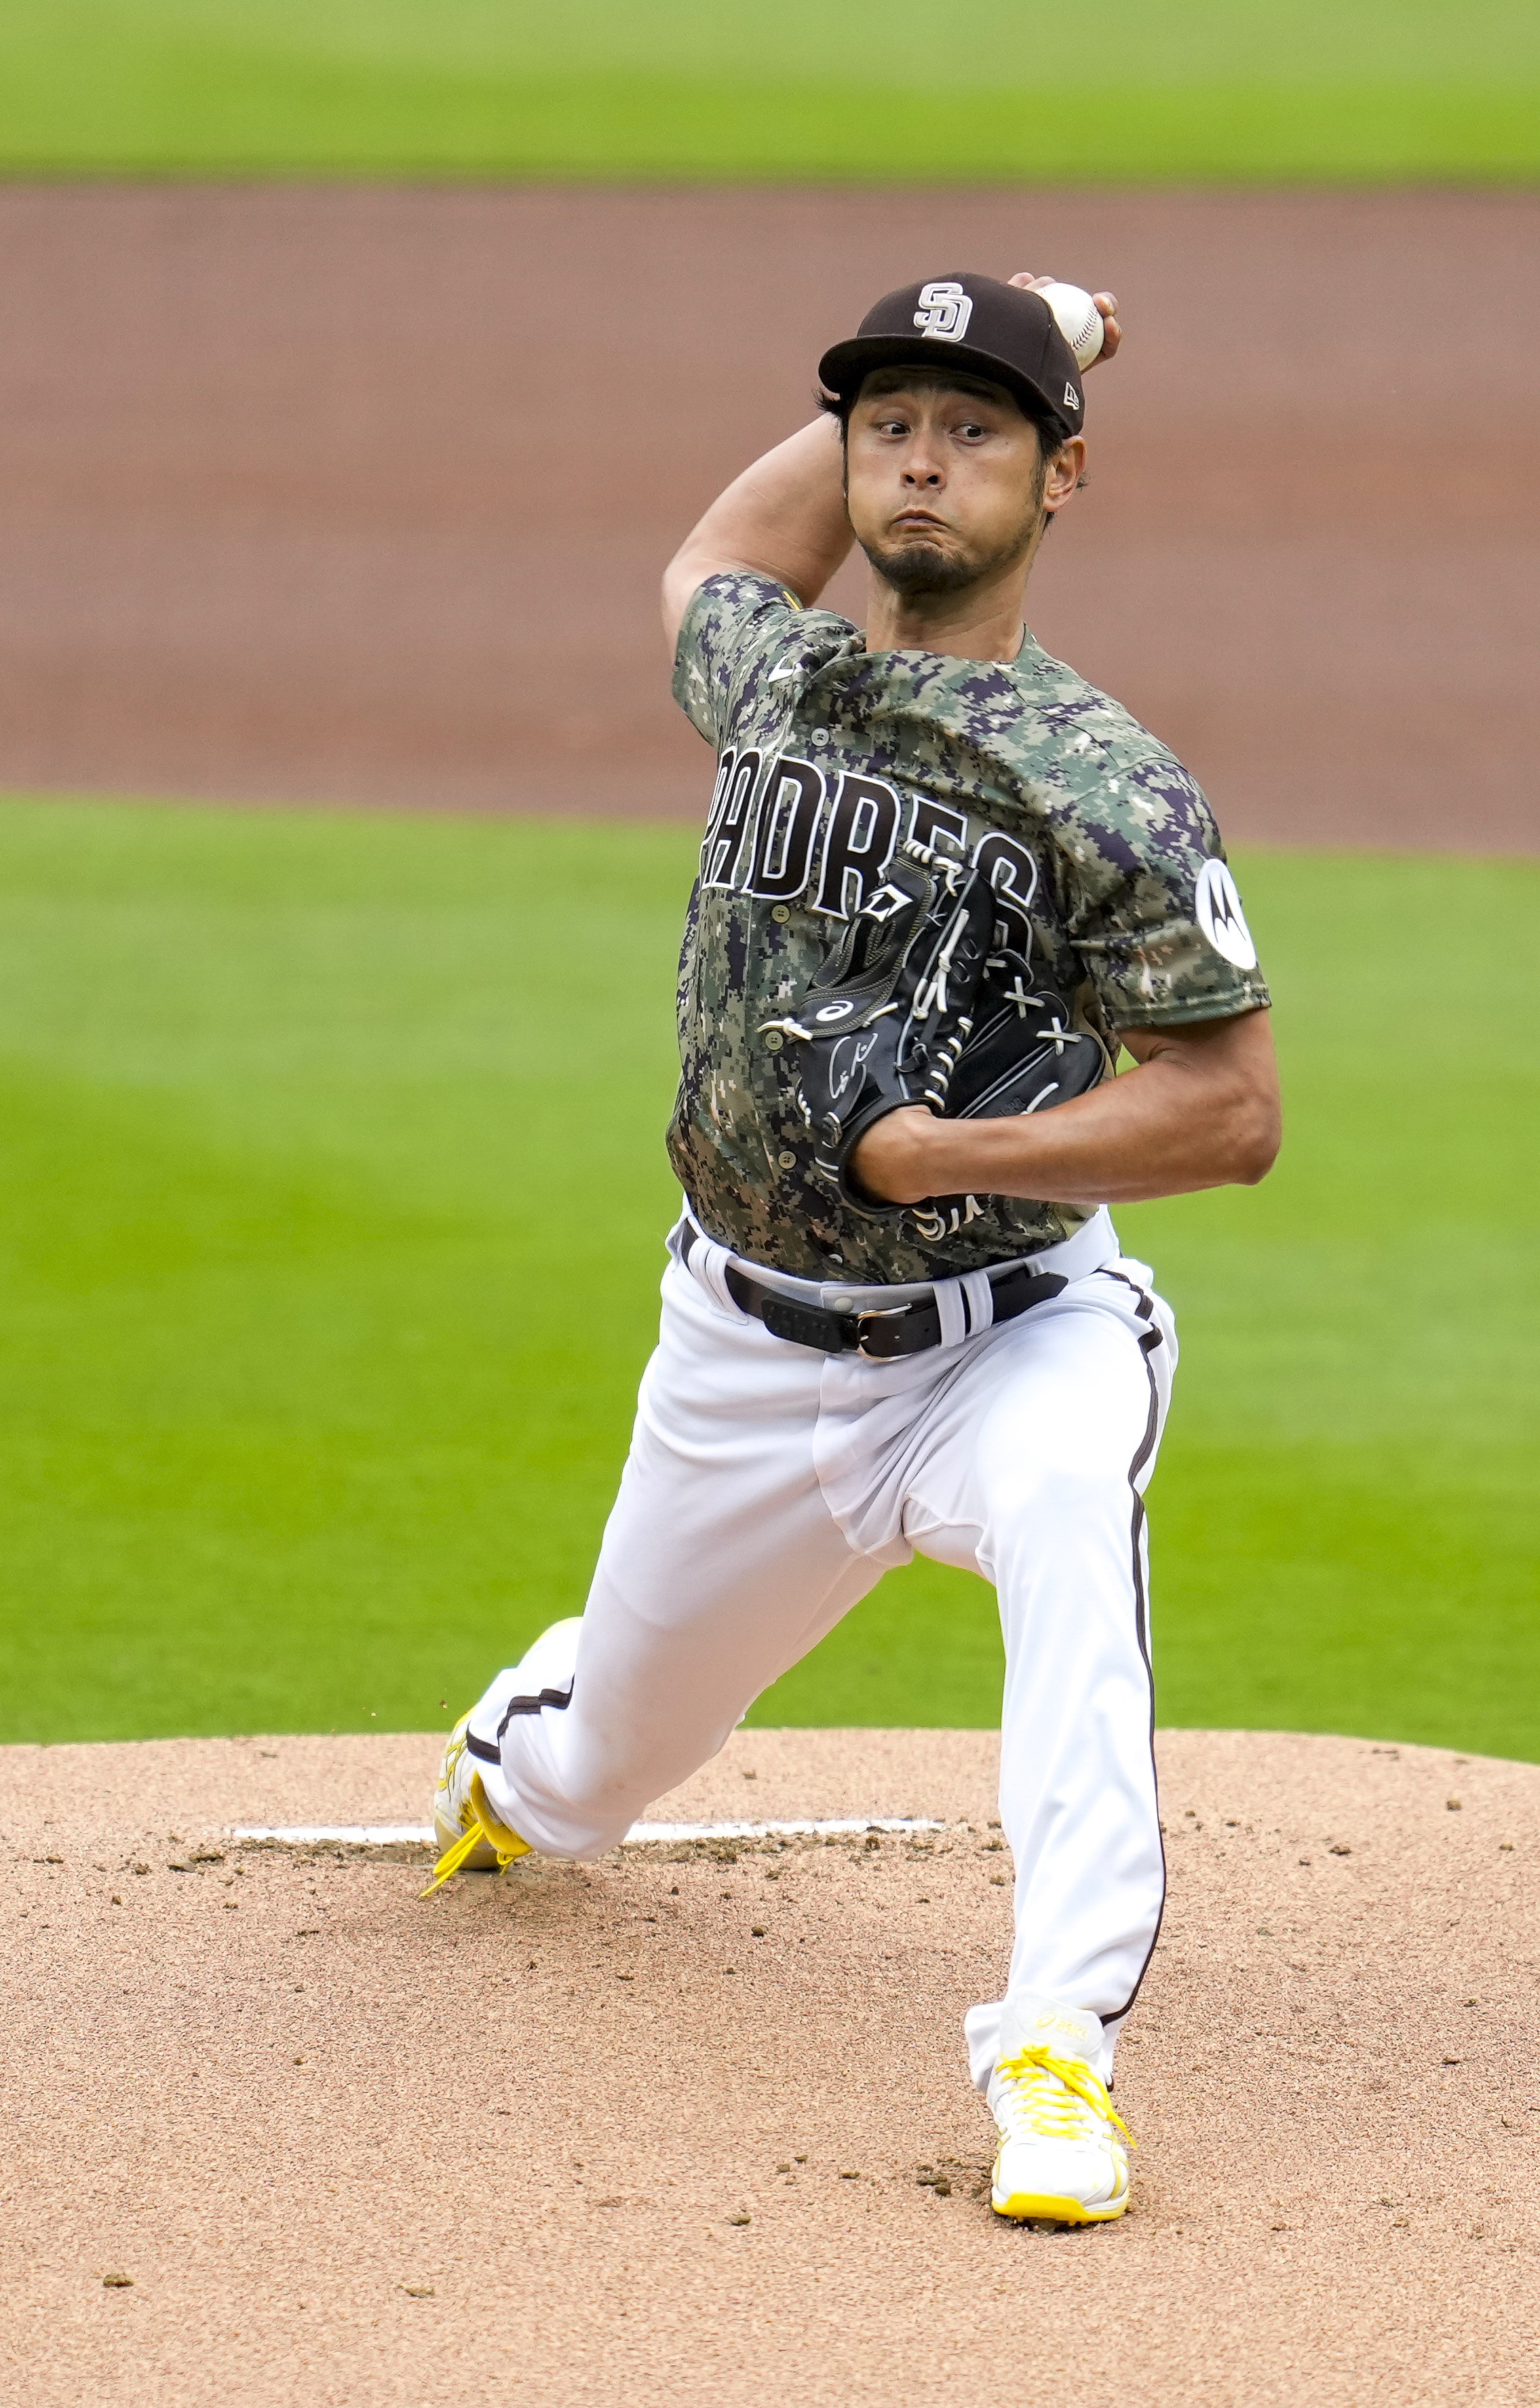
694	2125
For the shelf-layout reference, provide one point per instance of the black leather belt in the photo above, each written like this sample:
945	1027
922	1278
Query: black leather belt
881	1335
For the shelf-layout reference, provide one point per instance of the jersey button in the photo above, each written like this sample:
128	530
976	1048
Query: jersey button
780	912
787	1161
773	1041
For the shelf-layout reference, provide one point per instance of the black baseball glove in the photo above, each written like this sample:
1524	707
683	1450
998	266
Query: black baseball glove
1023	1051
914	1007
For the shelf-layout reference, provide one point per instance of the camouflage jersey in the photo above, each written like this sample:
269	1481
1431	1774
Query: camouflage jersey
1105	857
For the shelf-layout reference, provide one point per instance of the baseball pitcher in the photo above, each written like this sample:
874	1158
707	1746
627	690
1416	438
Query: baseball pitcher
943	881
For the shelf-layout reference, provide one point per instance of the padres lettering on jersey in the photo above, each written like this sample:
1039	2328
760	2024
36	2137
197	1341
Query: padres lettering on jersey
1103	854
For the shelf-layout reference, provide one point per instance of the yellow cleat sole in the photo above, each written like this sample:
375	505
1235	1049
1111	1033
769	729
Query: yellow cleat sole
1026	2207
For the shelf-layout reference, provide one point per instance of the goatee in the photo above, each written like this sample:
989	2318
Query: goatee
920	569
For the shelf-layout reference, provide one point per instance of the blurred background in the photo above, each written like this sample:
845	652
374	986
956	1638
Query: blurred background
359	366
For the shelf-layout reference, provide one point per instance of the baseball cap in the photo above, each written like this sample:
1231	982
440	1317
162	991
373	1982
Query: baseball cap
973	323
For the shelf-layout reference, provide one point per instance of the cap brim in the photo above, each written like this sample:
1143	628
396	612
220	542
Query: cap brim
843	368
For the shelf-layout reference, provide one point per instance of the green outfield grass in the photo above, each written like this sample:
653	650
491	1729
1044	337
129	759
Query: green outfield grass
334	1194
1119	89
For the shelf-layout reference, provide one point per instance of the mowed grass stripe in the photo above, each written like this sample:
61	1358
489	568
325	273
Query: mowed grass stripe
254	117
333	1198
1174	89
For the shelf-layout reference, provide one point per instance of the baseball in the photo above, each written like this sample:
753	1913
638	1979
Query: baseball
1079	319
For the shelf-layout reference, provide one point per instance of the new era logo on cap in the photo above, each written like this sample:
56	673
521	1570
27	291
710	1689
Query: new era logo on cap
1072	397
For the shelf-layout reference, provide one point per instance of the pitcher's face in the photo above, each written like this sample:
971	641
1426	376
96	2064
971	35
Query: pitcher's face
946	480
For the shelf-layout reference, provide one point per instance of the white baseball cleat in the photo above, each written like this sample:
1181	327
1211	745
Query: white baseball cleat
1064	2146
471	1836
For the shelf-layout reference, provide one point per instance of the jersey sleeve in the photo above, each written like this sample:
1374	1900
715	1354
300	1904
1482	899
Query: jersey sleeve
1153	910
733	622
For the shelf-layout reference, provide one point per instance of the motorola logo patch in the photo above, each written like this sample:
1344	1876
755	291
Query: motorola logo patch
1220	917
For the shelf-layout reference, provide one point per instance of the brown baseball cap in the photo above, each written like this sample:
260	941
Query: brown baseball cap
973	323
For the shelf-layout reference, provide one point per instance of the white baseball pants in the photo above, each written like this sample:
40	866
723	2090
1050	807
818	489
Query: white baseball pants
767	1489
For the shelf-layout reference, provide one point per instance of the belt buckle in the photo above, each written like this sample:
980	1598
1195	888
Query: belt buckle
866	1323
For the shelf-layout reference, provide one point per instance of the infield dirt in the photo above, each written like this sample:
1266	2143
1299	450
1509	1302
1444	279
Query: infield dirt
669	2128
362	495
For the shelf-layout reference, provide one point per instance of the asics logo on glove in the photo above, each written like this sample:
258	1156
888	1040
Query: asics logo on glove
885	1020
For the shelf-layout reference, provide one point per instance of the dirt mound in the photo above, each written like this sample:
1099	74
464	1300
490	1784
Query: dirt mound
694	2125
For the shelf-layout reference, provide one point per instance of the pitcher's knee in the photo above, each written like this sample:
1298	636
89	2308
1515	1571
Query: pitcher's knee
1056	1490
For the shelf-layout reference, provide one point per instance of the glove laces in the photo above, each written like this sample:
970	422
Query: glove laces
1046	2096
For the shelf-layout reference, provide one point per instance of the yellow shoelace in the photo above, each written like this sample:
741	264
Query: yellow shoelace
483	1826
1041	2105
